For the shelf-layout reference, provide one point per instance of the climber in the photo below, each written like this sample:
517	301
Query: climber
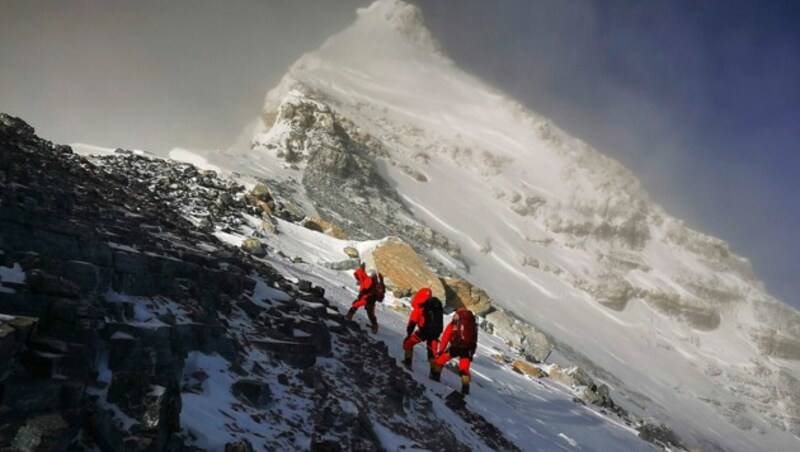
371	289
460	339
426	318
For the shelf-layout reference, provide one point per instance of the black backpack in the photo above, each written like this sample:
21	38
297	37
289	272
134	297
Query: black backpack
433	311
379	288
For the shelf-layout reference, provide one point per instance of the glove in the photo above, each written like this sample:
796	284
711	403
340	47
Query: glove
410	329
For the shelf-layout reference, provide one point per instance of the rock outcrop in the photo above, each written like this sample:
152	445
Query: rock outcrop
404	270
460	292
533	344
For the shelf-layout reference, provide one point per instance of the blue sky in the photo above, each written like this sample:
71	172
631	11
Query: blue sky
700	99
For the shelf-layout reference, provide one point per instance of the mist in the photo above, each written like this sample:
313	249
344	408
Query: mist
152	75
699	100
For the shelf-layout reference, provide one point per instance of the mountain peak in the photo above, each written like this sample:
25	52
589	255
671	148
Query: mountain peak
404	18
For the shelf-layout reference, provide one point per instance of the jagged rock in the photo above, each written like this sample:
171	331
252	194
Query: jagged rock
612	292
532	343
604	397
351	252
777	344
14	126
44	433
17	328
527	369
290	212
253	392
86	276
300	354
695	314
46	284
660	435
157	408
127	354
347	264
304	285
260	192
576	377
239	446
324	226
462	293
402	267
135	263
269	225
253	246
31	396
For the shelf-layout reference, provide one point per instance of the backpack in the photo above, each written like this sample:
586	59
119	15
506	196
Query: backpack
379	288
465	332
433	312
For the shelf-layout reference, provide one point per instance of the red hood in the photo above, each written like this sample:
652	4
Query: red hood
360	275
421	297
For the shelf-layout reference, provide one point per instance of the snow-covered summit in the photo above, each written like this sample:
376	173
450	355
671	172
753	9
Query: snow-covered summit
555	231
403	18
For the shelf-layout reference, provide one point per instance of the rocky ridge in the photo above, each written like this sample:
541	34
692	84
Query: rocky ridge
140	313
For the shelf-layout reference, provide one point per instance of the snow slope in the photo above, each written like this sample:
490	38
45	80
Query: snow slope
556	232
536	414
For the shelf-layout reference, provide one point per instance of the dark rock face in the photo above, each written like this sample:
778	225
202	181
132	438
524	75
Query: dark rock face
239	446
122	289
254	392
660	435
44	433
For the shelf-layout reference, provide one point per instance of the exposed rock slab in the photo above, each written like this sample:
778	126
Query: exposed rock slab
403	269
463	293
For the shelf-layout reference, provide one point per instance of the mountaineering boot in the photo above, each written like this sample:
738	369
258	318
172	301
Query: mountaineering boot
350	313
407	358
436	371
465	384
374	327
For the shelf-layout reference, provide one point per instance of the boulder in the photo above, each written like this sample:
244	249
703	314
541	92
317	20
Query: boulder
660	435
253	246
239	446
157	408
324	226
261	193
532	343
46	284
572	377
252	392
527	368
296	353
44	433
612	292
85	275
351	252
290	212
461	293
403	268
269	225
347	264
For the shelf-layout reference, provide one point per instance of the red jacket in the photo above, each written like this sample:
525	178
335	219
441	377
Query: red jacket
364	283
417	319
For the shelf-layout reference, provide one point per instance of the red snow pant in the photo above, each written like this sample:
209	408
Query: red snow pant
463	362
414	339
